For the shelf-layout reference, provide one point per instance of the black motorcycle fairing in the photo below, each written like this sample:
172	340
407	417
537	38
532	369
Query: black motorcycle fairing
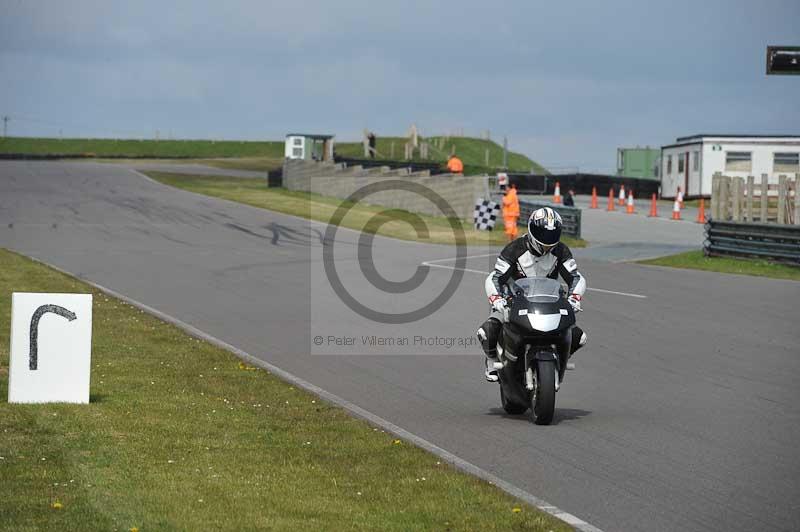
513	340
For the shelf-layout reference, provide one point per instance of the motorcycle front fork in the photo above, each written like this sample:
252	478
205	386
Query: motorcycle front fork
530	375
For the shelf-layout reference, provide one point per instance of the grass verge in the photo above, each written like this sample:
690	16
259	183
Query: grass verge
254	192
471	151
142	148
696	260
257	164
180	435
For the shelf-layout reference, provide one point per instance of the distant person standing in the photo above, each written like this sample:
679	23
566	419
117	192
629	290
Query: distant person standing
373	142
511	212
569	199
454	165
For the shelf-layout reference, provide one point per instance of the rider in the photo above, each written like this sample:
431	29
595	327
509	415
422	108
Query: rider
537	254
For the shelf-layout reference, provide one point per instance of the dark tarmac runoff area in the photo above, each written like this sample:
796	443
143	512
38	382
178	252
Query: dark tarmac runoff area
683	412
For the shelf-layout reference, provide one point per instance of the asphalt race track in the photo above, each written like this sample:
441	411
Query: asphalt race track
683	414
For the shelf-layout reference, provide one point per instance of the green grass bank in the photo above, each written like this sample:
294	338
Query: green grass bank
696	260
472	151
141	148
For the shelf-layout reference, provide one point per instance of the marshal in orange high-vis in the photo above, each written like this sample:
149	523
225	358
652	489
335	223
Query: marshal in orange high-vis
454	165
511	212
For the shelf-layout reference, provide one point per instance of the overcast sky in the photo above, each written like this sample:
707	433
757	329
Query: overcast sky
568	82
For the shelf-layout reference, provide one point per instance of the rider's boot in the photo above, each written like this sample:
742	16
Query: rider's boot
579	339
491	373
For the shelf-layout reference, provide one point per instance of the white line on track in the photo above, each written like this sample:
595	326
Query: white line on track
626	294
429	262
432	264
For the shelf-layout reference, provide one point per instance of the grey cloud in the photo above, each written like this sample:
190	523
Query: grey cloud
566	81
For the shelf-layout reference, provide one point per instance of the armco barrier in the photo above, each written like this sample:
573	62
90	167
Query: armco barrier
570	216
770	241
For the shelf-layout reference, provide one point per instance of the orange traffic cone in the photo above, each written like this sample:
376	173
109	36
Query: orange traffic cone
654	207
701	214
557	195
610	199
622	195
676	210
593	205
629	209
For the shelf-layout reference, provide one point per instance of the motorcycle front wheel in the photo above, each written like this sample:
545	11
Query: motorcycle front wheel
543	396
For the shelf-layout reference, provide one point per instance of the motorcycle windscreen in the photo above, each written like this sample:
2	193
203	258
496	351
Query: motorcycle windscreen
538	289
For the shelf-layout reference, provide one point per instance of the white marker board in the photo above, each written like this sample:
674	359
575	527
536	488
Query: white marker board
51	348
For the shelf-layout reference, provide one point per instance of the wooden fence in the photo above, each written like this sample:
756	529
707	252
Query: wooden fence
743	200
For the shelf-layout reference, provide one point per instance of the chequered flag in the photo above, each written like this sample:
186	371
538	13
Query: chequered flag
485	216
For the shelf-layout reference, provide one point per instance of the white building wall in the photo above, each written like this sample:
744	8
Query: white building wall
713	161
670	181
713	156
289	148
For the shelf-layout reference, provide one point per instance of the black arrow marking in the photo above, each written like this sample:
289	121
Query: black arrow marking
34	337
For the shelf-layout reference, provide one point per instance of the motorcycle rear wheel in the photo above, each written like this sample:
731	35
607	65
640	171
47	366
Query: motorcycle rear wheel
543	396
511	407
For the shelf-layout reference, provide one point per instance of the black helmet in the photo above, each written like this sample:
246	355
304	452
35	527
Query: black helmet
544	230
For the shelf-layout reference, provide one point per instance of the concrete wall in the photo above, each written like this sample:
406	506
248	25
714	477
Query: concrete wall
340	181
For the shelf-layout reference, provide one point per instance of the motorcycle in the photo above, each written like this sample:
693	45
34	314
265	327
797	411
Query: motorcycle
534	347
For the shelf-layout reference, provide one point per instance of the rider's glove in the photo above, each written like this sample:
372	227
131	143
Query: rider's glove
498	302
575	301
